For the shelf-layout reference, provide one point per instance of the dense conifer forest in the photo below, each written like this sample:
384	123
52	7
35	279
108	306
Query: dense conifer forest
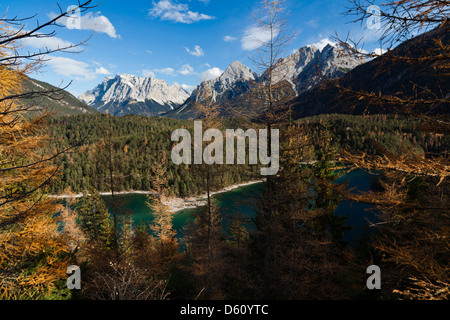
138	143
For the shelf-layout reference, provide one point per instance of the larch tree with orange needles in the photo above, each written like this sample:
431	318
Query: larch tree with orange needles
412	239
33	253
166	244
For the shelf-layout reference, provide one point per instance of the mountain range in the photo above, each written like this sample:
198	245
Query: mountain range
401	72
298	78
128	94
293	75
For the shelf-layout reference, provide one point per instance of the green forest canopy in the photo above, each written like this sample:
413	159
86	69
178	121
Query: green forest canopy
138	143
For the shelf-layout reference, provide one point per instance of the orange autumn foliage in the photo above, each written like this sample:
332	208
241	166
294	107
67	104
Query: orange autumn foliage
30	245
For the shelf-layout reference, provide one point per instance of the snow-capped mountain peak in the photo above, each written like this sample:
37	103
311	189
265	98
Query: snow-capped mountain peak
126	90
302	68
300	71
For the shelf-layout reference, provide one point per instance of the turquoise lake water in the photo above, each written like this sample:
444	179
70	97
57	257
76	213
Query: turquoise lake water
242	201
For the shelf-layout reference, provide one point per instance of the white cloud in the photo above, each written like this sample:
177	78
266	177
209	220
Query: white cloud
363	51
176	12
312	23
71	68
212	73
166	71
188	88
50	43
149	52
186	70
198	52
255	37
229	39
323	43
102	71
91	21
148	73
379	51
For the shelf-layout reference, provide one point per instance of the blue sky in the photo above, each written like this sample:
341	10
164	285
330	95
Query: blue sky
180	41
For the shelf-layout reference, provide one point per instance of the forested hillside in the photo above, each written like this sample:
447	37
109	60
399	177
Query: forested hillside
369	134
43	96
137	144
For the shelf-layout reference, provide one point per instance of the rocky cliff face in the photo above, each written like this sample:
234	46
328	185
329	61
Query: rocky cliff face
388	75
295	74
234	81
308	65
128	94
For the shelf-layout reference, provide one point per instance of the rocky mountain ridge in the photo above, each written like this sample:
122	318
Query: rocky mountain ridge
295	74
129	94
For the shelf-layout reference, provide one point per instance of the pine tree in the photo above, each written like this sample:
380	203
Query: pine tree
321	174
292	254
205	244
165	241
95	220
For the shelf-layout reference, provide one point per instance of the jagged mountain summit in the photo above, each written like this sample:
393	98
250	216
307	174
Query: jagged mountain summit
390	75
308	65
295	74
128	94
234	81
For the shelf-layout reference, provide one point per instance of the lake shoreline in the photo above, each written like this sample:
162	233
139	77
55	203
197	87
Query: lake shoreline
175	204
